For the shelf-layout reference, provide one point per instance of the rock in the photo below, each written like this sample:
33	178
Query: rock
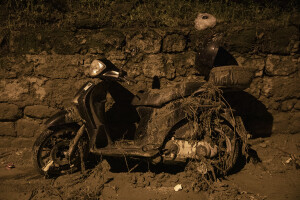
64	42
178	187
27	127
286	87
288	105
56	70
280	41
263	145
35	41
9	111
153	65
242	41
117	57
39	111
7	129
297	105
295	19
147	42
280	65
174	43
280	122
257	63
180	63
267	87
4	40
286	123
294	123
5	141
106	40
280	87
90	23
12	90
36	84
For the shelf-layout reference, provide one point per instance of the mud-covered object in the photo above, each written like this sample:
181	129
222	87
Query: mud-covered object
205	57
72	115
233	76
159	97
204	21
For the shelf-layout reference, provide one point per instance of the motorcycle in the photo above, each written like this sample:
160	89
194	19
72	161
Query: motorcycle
184	122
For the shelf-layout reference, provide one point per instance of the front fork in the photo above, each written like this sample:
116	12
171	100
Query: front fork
75	141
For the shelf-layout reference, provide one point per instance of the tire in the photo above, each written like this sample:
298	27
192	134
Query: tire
51	145
230	142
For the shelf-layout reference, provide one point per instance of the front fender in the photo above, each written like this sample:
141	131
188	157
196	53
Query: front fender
63	117
57	119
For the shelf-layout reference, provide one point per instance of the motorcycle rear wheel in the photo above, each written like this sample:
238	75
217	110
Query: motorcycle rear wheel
229	145
50	148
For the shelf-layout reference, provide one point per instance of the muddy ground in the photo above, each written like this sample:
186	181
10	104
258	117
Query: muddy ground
276	177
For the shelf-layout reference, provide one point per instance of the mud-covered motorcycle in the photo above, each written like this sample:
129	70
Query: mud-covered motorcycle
186	121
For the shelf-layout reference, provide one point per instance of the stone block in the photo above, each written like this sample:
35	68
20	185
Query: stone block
5	142
286	122
258	63
297	105
286	87
27	127
153	65
174	43
61	92
39	111
90	23
288	105
279	41
56	70
281	122
242	41
147	42
12	90
9	111
280	65
7	129
106	40
294	123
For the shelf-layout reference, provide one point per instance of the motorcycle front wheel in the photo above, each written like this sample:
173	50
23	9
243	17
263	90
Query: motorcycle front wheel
50	151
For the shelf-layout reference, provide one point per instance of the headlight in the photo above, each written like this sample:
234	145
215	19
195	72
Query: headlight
96	68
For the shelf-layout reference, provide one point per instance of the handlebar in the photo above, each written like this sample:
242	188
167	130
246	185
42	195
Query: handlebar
127	80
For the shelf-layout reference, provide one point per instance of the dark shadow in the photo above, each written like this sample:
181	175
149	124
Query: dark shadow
224	58
155	83
121	116
258	121
120	164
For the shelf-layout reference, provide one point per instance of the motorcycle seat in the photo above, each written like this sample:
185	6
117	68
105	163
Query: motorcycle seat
159	97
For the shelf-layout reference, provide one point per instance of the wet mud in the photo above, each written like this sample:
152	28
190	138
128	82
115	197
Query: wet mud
277	176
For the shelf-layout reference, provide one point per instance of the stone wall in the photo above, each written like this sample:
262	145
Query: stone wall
42	69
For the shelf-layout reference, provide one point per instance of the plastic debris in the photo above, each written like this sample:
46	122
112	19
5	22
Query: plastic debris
48	165
178	187
288	160
10	166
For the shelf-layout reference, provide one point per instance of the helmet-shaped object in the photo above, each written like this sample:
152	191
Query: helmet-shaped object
205	58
